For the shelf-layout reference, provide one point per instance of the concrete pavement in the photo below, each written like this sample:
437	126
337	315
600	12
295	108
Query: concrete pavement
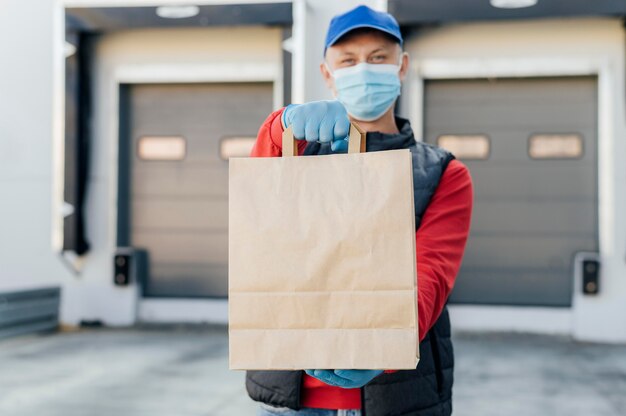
183	371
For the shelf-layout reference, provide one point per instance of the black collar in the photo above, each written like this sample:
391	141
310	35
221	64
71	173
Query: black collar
375	141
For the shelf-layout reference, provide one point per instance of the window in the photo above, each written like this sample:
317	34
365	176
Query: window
466	146
236	147
161	148
555	146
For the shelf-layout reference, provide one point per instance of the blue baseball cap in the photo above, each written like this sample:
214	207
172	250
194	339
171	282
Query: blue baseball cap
361	16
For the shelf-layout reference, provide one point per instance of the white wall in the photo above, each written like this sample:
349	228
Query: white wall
554	47
150	55
26	145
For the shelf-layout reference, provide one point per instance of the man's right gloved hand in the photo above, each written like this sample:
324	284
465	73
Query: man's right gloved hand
324	121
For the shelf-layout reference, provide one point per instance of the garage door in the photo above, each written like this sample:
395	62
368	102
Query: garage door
181	136
530	145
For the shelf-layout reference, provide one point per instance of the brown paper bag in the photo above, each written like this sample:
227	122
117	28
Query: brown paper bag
322	270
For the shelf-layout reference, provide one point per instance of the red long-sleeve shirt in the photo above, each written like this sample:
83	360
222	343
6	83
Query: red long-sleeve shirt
440	242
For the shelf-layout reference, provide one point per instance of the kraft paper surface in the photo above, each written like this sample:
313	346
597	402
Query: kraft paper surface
322	268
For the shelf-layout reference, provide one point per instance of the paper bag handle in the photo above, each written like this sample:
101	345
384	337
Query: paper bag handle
356	141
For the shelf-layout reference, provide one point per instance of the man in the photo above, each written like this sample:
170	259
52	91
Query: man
363	66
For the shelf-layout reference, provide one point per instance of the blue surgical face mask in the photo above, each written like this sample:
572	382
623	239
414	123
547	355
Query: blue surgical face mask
367	91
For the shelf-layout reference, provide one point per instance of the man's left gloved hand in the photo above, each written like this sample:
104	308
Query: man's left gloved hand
348	379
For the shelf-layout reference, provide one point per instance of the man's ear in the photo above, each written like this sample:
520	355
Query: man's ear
404	66
328	78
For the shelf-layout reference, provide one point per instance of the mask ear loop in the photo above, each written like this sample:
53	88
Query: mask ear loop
332	74
401	60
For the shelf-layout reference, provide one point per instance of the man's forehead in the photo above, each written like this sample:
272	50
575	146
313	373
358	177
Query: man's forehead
370	41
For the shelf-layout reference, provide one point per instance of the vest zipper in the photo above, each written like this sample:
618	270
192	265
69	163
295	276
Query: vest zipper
298	389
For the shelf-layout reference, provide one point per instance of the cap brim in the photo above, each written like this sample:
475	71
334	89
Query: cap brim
340	34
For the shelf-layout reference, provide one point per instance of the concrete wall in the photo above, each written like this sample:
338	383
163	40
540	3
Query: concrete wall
547	47
27	120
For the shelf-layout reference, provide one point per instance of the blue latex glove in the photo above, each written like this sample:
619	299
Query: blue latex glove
323	121
348	379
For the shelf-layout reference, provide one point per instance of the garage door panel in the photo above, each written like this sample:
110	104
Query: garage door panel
502	116
561	91
527	216
198	151
179	213
191	181
187	104
508	133
183	246
539	251
512	146
507	180
513	286
189	280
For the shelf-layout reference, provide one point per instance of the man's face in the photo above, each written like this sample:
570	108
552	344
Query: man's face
371	47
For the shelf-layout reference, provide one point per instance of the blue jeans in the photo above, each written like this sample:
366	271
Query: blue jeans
267	410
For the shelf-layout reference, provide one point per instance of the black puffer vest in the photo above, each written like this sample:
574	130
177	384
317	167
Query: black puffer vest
427	390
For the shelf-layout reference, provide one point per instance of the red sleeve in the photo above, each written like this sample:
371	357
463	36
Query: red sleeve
440	243
269	140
